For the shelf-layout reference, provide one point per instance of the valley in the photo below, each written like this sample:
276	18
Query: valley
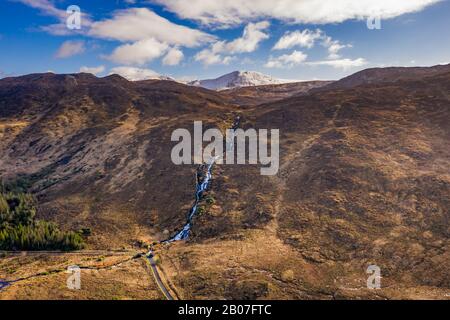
363	180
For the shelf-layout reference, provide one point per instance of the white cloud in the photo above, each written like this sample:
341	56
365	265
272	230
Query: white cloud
93	70
210	57
135	74
305	38
286	60
139	52
46	7
70	48
234	12
151	36
249	42
308	38
340	63
219	52
173	57
57	29
136	24
334	46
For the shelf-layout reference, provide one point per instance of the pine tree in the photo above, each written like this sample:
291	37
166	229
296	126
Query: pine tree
19	229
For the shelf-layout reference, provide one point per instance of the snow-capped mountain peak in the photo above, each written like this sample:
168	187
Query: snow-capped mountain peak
138	74
237	79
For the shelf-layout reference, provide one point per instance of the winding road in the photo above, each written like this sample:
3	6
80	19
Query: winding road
157	277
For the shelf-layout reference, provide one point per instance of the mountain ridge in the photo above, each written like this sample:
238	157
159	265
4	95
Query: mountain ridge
238	79
388	74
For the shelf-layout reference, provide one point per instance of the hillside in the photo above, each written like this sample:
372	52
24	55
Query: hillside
364	180
96	151
386	75
254	95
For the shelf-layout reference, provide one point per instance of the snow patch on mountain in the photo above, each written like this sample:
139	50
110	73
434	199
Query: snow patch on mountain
238	79
138	74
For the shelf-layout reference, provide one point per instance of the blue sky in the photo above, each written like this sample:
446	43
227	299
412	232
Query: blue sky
288	39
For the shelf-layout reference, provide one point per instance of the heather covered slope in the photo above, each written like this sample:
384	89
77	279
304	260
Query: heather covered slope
364	180
372	182
251	96
388	75
96	152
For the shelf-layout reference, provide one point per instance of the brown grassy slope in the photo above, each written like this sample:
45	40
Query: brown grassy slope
251	96
364	180
107	276
98	152
387	75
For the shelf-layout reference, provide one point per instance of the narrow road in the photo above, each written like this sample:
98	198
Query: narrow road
158	280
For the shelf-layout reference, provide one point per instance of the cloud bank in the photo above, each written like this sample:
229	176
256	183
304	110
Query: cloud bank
226	13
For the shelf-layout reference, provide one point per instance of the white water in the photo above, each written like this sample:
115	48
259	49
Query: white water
200	189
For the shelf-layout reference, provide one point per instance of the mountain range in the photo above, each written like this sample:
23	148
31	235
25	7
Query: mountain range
238	79
235	79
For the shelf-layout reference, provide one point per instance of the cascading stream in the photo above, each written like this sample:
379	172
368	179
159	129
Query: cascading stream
202	187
